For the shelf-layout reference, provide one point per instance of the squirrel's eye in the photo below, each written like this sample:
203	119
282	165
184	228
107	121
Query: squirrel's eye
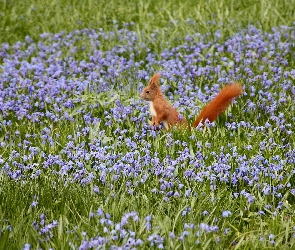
147	92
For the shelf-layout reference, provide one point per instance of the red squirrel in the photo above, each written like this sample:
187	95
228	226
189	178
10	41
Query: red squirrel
162	111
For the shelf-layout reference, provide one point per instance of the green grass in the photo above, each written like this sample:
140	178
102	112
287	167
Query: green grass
31	18
71	204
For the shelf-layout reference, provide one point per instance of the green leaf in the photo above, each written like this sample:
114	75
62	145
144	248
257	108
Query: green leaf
4	238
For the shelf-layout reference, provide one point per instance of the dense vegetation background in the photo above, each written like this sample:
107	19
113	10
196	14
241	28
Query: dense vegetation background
80	167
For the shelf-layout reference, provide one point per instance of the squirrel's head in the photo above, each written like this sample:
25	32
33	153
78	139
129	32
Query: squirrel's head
152	89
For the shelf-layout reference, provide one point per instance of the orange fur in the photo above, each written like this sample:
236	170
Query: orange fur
163	111
215	107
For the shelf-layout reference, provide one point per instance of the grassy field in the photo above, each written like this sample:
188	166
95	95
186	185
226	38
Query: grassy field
80	168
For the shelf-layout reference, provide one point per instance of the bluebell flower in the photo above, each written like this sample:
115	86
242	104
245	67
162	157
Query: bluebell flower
226	213
27	247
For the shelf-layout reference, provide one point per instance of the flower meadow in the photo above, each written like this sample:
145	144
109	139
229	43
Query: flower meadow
82	169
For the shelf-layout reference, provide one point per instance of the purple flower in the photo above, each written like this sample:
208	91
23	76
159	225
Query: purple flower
85	245
27	247
186	211
96	189
226	213
172	235
205	212
34	203
100	212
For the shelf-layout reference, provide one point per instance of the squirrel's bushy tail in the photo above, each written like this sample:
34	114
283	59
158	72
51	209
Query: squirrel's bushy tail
215	107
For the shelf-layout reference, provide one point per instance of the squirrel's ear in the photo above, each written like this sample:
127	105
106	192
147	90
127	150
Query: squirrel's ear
155	79
153	85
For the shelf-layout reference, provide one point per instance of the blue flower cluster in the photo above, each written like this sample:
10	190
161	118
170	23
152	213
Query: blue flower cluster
91	87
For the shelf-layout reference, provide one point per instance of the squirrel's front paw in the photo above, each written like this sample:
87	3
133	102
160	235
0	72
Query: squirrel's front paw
154	126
